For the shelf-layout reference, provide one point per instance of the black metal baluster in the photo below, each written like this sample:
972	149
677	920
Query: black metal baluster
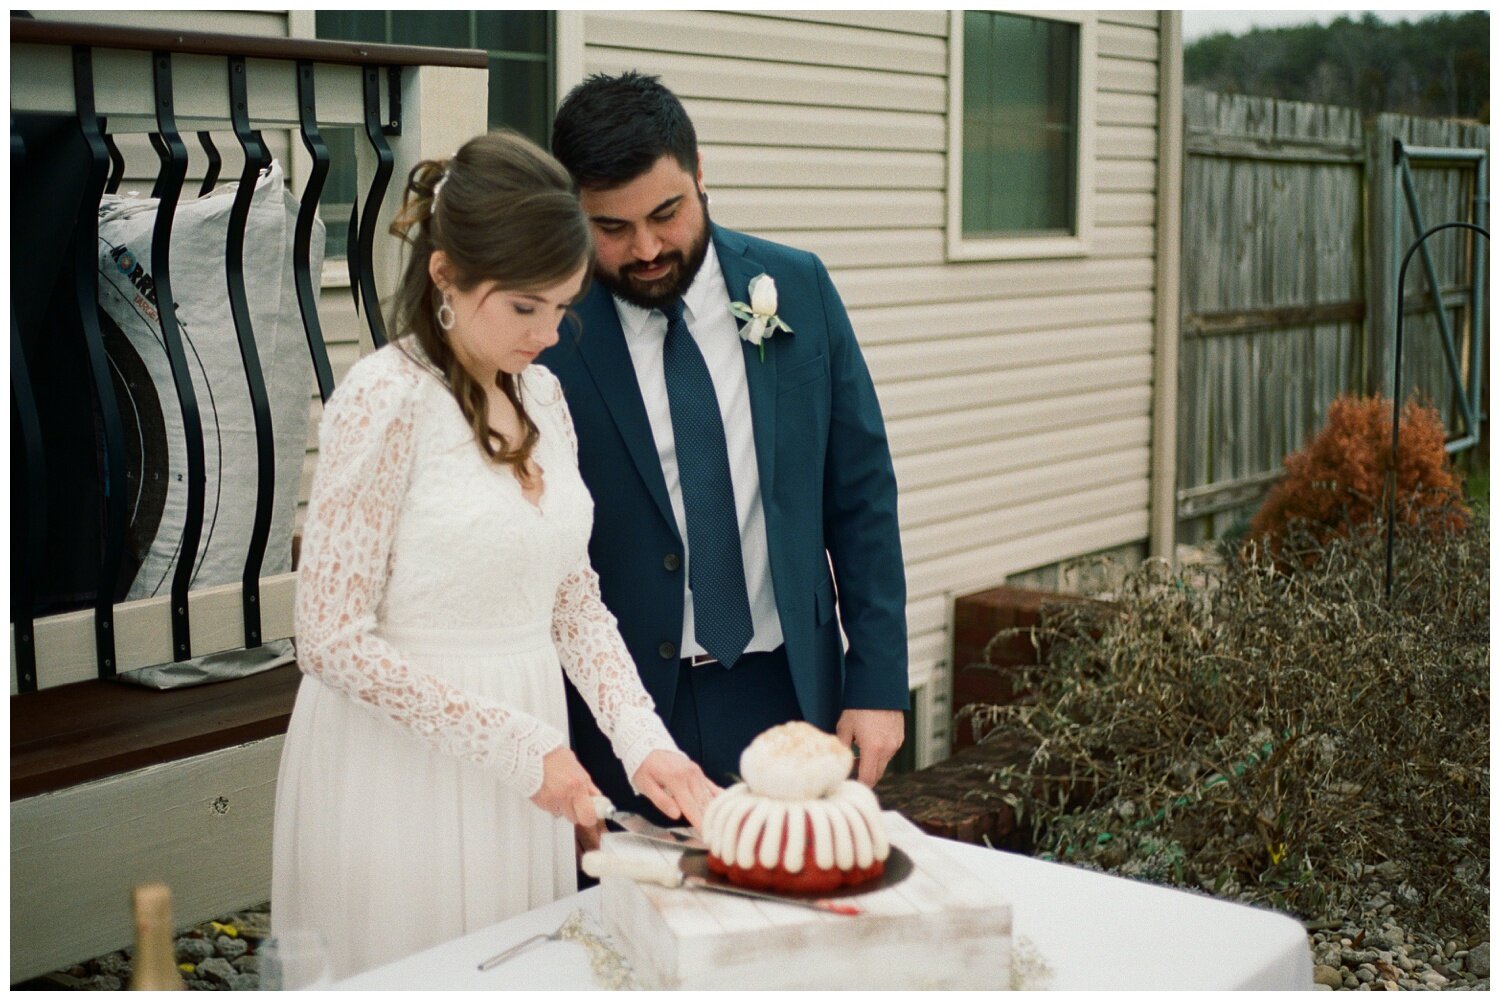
256	159
215	161
163	154
116	160
86	266
307	298
169	183
28	510
351	244
28	504
385	162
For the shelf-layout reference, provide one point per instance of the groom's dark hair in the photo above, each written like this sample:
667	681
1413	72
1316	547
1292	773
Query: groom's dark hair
612	129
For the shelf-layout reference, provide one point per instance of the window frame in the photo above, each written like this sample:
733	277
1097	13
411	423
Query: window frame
1020	247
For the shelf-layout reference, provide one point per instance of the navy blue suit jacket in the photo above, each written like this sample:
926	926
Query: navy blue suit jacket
826	480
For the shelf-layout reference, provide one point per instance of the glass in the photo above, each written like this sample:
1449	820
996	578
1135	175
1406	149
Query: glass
518	97
1020	155
446	28
512	31
352	25
340	189
295	960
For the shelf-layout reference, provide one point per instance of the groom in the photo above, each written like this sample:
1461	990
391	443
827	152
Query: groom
728	478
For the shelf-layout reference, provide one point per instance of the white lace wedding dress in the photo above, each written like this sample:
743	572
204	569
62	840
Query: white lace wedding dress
436	610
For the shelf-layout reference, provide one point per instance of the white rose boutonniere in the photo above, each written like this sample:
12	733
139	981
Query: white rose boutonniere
760	316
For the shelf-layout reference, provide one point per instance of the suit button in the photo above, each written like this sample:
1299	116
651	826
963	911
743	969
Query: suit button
671	561
668	651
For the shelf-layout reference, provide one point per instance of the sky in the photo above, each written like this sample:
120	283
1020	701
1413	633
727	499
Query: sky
1197	23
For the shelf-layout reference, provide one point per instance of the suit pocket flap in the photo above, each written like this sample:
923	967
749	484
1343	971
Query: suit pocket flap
800	375
823	601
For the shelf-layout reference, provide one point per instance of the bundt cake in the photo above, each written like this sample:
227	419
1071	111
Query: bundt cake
796	823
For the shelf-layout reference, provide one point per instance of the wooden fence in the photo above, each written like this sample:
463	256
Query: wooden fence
1290	242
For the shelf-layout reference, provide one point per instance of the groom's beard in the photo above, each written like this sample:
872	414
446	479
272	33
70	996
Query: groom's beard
656	294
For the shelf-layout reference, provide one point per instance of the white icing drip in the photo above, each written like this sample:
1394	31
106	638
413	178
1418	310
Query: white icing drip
796	837
859	829
744	849
843	837
744	828
863	799
770	838
822	836
736	823
714	817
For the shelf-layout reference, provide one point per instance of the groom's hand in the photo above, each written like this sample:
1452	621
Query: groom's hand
877	733
675	783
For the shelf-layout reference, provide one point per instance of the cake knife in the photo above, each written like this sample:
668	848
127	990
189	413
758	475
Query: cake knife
599	865
634	823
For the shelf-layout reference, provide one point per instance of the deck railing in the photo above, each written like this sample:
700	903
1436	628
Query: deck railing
409	102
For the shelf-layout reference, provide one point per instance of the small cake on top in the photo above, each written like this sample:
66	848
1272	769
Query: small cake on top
797	822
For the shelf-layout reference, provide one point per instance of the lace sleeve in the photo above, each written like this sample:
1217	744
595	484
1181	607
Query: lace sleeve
594	655
364	467
595	658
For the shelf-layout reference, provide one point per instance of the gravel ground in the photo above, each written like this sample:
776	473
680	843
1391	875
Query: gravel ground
1364	952
220	955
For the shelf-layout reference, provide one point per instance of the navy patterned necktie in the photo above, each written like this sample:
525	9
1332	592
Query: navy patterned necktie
716	564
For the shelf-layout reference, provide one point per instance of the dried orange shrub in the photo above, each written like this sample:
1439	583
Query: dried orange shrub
1339	480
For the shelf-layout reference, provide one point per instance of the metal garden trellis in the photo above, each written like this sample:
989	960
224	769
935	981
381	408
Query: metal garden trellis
1390	521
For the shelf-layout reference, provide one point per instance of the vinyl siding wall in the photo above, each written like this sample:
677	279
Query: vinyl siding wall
1017	394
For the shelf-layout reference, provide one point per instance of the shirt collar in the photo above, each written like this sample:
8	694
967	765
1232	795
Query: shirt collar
698	299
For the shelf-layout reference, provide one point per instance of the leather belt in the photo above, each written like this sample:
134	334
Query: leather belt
699	660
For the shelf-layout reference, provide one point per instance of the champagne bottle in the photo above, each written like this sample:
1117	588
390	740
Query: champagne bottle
155	967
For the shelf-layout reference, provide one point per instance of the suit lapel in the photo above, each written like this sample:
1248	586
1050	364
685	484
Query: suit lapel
604	351
738	268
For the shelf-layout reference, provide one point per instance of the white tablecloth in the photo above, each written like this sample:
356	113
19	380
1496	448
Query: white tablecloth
1074	929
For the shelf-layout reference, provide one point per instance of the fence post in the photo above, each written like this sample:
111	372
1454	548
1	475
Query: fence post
1171	153
1382	214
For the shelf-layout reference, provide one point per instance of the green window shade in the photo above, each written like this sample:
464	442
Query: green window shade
446	28
1020	125
513	31
514	85
521	95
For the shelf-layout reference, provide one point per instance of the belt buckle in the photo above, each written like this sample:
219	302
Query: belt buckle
701	660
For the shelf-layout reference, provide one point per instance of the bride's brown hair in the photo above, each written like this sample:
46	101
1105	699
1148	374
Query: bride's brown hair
500	209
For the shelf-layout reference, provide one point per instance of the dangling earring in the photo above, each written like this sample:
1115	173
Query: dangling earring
445	316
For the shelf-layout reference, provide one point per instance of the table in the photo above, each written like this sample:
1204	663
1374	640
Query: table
1074	929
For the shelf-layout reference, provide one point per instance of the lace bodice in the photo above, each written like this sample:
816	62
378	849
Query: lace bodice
409	525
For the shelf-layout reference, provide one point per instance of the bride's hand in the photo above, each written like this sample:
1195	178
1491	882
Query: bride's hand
567	791
676	785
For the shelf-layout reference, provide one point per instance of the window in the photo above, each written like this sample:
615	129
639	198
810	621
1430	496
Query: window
522	91
1020	135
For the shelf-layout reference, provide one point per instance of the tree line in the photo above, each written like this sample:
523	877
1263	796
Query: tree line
1436	67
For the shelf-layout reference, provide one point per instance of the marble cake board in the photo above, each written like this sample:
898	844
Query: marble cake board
941	928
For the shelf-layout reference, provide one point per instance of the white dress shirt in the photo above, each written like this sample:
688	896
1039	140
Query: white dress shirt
716	332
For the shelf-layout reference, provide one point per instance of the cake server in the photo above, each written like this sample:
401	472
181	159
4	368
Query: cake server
634	823
599	865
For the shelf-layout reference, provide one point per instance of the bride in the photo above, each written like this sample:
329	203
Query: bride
426	787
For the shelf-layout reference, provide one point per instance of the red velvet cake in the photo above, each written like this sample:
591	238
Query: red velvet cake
796	823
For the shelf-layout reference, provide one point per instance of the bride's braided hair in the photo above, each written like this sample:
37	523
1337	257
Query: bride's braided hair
500	209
